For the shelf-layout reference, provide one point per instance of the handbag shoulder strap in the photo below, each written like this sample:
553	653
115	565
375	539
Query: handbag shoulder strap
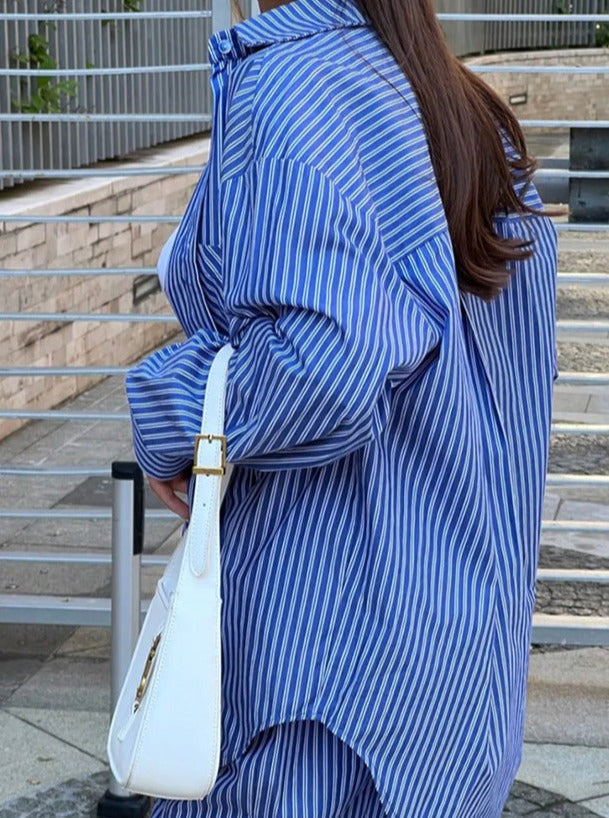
209	465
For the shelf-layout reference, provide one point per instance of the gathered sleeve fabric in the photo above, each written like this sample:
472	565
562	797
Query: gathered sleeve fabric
319	318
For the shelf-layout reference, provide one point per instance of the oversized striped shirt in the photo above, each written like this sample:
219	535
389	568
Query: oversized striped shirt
389	434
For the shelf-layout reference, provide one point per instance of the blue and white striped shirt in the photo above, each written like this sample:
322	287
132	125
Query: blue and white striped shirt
390	436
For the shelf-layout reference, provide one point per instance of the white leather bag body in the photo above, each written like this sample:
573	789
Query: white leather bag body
164	738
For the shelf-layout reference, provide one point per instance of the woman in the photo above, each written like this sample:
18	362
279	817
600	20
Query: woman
367	237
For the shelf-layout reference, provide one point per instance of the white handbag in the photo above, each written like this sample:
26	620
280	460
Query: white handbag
164	737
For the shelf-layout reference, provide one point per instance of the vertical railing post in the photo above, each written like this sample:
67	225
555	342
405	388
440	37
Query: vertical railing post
220	15
588	198
251	8
127	545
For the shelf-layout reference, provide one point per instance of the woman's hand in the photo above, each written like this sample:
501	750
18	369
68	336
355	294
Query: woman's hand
167	492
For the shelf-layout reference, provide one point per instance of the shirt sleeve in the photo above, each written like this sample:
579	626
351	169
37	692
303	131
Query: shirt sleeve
319	318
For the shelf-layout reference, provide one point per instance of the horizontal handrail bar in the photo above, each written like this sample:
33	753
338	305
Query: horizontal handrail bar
62	371
583	279
133	217
563	173
565	378
109	117
599	577
45	173
61	415
576	527
83	271
72	16
75	514
75	559
159	170
564	123
55	471
553	480
566	428
562	526
76	173
539	69
582	326
573	575
194	15
583	227
65	317
120	70
583	379
556	480
159	218
53	514
198	67
38	609
474	17
194	117
564	279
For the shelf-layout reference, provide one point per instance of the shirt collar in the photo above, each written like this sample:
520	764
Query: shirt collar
290	21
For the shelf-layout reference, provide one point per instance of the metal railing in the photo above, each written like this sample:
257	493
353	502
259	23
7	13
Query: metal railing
134	80
132	65
532	24
17	608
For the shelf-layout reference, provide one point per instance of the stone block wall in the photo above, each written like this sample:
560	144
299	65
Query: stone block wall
553	96
85	245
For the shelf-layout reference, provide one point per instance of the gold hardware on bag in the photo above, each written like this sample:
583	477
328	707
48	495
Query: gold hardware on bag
143	685
210	470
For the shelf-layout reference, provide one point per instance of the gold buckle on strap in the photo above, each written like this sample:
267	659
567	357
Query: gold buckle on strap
210	470
147	673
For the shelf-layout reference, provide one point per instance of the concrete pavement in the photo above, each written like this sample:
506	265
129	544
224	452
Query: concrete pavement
55	716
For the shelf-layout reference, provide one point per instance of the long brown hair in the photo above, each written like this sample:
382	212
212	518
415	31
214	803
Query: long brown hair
464	119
